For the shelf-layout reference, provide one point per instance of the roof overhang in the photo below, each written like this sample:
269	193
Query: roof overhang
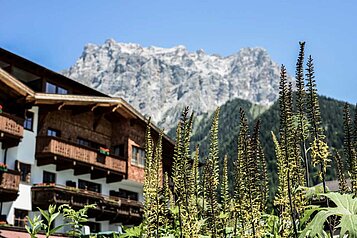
117	104
18	87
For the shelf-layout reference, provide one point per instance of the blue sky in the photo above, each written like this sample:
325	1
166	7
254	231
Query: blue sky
53	33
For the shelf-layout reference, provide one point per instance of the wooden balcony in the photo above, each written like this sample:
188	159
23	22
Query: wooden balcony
11	130
9	185
83	160
113	209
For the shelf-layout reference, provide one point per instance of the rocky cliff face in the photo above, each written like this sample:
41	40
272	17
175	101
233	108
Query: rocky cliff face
159	82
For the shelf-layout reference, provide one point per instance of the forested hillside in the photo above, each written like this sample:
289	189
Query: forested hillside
332	117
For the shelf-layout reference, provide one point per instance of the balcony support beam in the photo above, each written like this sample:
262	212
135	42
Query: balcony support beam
64	165
80	170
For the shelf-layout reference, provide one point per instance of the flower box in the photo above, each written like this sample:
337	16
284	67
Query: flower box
3	167
104	151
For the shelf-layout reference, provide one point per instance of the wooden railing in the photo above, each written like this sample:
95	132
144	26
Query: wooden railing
11	125
59	147
9	185
10	180
42	194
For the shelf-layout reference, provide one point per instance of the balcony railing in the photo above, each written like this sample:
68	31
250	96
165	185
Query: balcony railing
54	146
11	129
110	208
9	185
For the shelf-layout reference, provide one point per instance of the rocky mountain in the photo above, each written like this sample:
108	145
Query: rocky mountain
160	81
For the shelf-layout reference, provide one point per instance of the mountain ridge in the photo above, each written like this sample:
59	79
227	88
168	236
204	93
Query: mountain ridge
160	82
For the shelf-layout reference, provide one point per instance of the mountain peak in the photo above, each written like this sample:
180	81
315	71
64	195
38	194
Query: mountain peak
161	81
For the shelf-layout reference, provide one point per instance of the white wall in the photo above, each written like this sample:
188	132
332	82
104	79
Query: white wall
65	175
24	152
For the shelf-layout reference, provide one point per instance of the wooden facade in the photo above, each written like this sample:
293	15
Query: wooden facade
115	209
68	155
11	130
9	185
79	129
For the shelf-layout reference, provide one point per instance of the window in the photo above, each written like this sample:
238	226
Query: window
84	142
52	88
94	227
118	150
20	217
138	156
28	123
70	183
53	132
95	187
122	193
88	143
49	177
25	171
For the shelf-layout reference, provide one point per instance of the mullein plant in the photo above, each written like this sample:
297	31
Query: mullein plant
212	180
342	183
349	147
319	148
250	183
302	127
155	212
290	152
199	203
185	181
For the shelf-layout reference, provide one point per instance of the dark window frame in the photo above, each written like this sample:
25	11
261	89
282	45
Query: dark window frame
139	160
118	150
46	177
28	122
20	219
88	143
55	89
25	171
90	186
53	132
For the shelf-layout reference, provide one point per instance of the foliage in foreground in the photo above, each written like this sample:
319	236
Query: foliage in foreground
200	203
43	222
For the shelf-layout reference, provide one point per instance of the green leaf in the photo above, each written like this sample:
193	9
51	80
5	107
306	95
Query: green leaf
346	207
44	214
